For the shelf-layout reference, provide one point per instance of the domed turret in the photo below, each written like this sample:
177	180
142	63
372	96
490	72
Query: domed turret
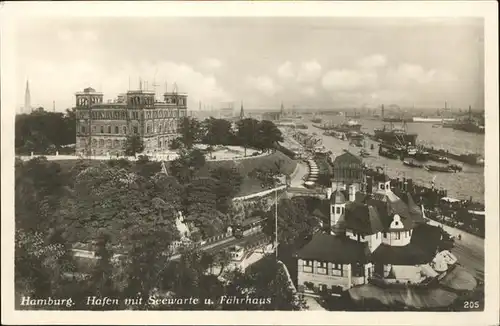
337	198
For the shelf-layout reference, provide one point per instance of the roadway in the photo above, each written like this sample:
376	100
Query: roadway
469	250
212	247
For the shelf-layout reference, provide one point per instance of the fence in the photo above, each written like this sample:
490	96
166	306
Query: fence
260	194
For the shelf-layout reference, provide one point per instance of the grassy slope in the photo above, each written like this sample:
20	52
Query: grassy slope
245	166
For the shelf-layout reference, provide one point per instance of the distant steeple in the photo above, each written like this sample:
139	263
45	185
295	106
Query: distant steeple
282	110
242	113
27	99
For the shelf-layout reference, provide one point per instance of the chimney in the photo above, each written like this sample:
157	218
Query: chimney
409	187
369	185
352	193
328	193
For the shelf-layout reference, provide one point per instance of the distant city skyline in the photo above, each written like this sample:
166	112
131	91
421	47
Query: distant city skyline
349	62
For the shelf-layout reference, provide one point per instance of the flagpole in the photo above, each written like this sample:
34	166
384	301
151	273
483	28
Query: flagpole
276	219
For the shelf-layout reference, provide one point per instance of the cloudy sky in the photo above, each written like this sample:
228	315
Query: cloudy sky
307	62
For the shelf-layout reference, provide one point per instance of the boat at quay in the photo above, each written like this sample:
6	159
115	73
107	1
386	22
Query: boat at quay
459	185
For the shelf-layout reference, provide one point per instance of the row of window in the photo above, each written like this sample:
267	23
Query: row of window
398	234
406	234
109	129
101	143
166	127
122	114
108	143
358	269
322	268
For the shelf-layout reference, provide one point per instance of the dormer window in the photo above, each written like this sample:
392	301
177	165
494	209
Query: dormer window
382	186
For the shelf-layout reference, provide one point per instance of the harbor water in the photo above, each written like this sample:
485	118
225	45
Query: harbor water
462	185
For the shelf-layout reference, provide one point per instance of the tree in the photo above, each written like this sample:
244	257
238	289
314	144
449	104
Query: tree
170	190
146	168
101	278
218	132
268	135
188	277
190	132
44	132
187	164
247	132
133	145
294	222
229	182
267	286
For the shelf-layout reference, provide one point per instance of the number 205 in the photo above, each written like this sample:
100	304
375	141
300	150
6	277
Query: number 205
471	304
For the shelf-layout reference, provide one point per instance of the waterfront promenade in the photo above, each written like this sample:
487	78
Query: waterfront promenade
462	185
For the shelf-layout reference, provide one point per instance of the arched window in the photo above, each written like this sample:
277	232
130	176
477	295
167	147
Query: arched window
108	143
136	130
159	128
117	130
148	130
101	142
124	130
94	142
159	143
109	129
116	143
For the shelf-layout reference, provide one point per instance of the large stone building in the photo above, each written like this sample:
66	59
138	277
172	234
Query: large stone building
102	128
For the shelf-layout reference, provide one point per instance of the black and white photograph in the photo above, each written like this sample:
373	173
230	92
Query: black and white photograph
250	161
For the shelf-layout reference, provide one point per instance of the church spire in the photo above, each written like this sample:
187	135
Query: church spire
27	98
242	113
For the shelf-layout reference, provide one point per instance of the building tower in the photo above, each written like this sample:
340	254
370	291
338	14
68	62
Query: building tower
282	110
242	113
337	208
27	99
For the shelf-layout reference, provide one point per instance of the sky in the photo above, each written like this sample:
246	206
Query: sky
310	62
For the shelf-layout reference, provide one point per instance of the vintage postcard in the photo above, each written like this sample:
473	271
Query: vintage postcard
258	163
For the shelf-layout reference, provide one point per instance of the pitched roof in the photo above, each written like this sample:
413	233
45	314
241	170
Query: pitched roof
347	157
410	254
332	248
360	218
425	240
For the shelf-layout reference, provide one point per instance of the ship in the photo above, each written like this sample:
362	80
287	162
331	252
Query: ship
431	120
412	163
469	125
438	158
356	138
351	125
387	151
395	135
437	168
416	153
316	120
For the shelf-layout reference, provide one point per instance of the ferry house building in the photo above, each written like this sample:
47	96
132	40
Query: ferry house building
375	234
102	128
